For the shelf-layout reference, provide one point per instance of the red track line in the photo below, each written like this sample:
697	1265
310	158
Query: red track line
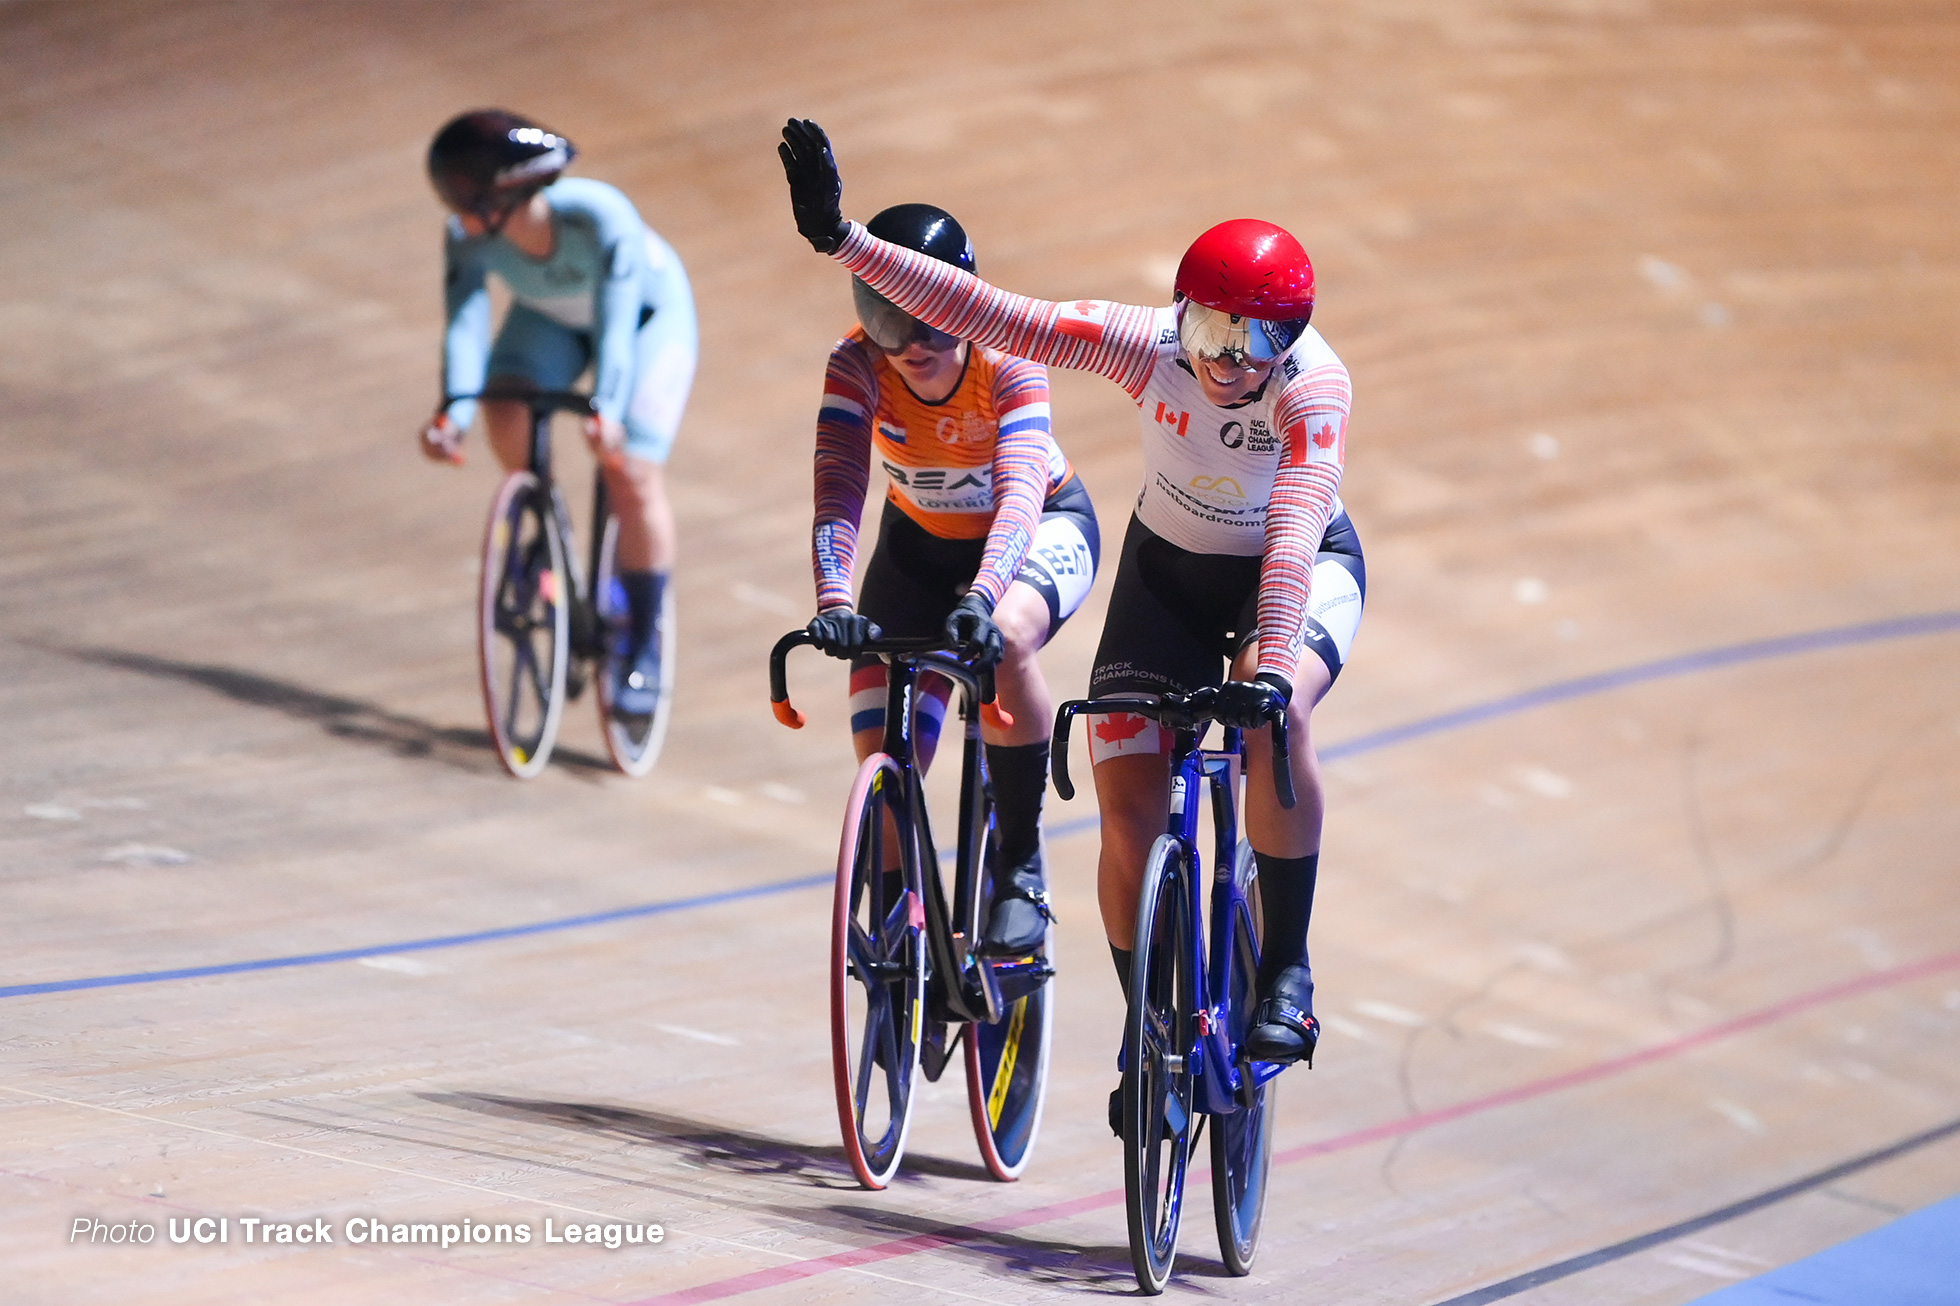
955	1234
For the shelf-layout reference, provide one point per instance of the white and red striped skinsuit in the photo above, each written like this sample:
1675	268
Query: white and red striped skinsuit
1260	478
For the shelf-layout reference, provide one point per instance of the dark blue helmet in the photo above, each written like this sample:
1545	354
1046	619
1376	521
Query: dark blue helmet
486	160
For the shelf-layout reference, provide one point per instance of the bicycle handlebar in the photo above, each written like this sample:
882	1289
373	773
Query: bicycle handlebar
539	401
1190	711
930	651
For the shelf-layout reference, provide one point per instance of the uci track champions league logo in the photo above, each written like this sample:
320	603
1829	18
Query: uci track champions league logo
216	1231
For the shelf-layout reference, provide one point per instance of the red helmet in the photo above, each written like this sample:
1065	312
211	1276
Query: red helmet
1249	268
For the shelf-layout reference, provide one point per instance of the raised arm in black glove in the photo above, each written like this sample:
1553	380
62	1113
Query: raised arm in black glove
971	629
841	632
1249	704
816	191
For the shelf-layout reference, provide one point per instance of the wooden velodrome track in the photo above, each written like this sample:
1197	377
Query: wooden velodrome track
1650	307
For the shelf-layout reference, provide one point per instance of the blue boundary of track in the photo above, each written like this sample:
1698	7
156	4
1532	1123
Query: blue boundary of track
1763	650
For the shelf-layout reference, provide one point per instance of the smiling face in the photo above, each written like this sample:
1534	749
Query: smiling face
1225	380
1230	355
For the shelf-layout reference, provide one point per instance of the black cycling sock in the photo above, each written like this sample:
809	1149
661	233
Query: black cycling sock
1020	773
1121	956
1286	892
643	593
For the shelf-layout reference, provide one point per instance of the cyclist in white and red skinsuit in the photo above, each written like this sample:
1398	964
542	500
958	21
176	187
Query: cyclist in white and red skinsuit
1240	547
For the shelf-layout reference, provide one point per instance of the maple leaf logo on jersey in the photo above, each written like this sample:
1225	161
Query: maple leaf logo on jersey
1301	441
1120	727
1083	320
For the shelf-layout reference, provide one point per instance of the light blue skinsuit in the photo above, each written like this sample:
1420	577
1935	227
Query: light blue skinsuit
612	295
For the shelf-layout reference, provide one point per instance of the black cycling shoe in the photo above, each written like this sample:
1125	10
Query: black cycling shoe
1285	1030
1019	920
1116	1111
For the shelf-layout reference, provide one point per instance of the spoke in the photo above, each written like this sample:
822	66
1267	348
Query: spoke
898	923
538	682
863	952
874	1017
870	863
520	655
895	1068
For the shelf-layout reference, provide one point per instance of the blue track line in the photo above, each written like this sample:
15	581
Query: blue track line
1764	650
421	945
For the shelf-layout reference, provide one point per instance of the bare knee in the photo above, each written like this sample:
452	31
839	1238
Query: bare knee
1133	796
1022	616
635	484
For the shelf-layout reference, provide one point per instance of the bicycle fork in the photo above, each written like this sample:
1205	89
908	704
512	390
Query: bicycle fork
1225	1081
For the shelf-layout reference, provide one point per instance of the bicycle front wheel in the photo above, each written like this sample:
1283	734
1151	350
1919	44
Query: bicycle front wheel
523	625
633	741
877	972
1158	1084
1242	1140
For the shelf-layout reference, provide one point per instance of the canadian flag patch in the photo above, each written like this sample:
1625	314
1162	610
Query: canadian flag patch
1084	320
1121	734
1315	440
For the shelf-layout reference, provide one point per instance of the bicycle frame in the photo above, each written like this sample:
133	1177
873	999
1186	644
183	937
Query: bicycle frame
543	405
956	990
1223	1081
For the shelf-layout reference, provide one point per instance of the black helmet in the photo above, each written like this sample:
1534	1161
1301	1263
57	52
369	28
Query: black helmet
486	160
929	230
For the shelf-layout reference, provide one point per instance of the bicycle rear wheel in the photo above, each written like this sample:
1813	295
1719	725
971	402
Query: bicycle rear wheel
877	972
1007	1070
523	625
634	742
1157	1075
1242	1140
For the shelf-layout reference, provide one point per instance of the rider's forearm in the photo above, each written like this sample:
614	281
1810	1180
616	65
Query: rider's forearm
1296	518
616	326
466	352
1020	475
842	472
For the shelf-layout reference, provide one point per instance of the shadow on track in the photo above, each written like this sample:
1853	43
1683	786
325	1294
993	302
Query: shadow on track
1048	1261
711	1146
345	718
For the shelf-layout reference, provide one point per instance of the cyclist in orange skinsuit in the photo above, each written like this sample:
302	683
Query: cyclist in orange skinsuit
987	537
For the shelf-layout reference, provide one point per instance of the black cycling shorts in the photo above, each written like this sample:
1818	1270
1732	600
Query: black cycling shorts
915	578
1177	618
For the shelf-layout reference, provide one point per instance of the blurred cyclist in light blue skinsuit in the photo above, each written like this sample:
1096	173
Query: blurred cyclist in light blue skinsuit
591	285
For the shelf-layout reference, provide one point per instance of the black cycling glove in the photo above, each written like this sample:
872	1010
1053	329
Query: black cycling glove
971	629
1249	704
816	190
841	632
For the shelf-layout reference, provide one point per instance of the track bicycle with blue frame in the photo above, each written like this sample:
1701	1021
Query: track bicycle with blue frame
906	984
1192	998
542	629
